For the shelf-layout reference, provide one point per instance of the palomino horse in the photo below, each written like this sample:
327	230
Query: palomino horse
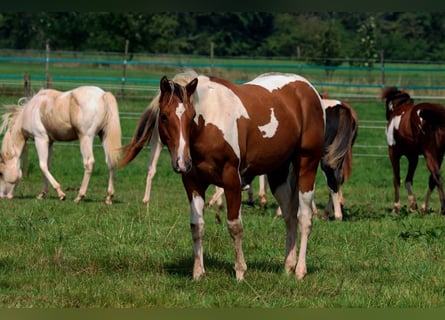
225	134
413	130
49	116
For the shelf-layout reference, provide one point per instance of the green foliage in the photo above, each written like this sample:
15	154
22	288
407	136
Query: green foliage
315	37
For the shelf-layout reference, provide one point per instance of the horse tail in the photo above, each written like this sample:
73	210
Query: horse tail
144	131
112	131
339	138
347	165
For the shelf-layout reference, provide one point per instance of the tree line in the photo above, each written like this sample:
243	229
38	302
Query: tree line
327	37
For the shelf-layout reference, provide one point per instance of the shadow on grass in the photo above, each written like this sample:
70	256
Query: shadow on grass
183	267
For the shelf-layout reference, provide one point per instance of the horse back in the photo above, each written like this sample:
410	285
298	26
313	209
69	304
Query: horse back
62	116
282	117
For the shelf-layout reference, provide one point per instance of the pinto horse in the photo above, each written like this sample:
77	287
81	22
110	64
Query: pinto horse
336	161
51	115
225	134
413	130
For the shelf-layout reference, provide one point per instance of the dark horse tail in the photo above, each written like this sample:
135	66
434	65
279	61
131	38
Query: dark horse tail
432	114
341	131
144	132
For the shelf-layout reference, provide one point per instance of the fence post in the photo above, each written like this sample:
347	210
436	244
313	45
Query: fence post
48	77
124	71
27	85
382	62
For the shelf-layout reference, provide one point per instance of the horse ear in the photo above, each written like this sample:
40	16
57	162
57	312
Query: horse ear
165	85
191	87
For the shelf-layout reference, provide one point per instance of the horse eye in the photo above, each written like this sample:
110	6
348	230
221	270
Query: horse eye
163	117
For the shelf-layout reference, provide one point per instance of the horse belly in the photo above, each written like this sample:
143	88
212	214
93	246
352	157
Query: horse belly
60	131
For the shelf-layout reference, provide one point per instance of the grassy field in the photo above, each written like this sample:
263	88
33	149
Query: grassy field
63	254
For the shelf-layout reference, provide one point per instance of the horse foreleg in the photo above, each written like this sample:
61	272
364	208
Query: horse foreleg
155	150
235	226
44	152
263	190
412	165
86	148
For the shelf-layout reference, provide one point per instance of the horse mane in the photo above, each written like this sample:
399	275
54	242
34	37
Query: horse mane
148	119
392	93
11	112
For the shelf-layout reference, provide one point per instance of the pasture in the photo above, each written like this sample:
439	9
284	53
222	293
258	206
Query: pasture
66	254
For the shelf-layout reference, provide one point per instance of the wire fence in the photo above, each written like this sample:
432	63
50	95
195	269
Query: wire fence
136	76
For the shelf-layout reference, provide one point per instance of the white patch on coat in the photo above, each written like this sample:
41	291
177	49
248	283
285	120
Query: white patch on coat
197	210
180	109
275	81
329	103
221	107
269	129
392	126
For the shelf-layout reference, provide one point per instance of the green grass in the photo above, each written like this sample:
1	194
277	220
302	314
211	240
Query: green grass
63	254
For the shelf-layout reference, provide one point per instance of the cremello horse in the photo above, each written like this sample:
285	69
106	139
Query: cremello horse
51	115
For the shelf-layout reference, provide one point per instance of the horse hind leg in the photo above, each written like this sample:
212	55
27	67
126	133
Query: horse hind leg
435	178
86	148
263	190
412	165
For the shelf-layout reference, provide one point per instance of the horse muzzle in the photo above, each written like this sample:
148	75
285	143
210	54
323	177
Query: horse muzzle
182	166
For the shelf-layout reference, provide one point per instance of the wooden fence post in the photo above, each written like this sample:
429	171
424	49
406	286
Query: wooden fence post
27	85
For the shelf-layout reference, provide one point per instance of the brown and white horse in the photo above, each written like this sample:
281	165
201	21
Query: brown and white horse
51	115
413	130
225	134
336	161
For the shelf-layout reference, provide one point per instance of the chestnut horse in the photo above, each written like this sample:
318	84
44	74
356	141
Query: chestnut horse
225	134
51	115
336	161
413	130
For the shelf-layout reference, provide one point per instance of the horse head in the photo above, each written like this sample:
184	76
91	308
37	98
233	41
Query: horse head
394	98
10	175
176	114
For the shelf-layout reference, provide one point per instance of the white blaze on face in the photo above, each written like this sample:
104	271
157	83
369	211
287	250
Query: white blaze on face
393	125
180	109
268	130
